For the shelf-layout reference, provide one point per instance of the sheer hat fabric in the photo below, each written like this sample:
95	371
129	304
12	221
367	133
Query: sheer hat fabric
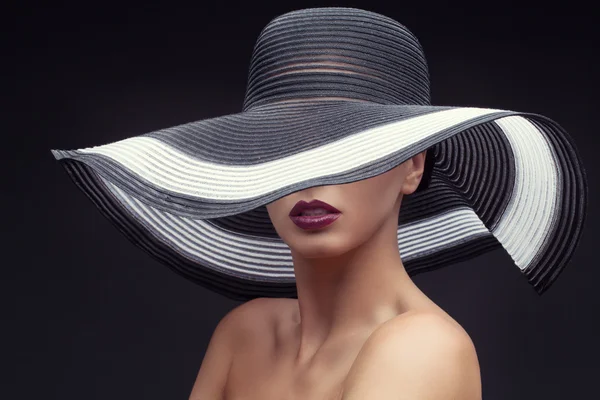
336	95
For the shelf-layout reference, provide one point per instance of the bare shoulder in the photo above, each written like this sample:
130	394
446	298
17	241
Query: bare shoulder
423	355
422	326
243	325
248	311
253	318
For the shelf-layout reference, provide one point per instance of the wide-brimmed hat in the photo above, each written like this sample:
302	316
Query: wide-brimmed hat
337	95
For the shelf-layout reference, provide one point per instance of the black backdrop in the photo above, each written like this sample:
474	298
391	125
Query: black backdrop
88	315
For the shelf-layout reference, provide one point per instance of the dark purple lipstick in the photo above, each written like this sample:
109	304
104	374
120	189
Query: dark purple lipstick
314	215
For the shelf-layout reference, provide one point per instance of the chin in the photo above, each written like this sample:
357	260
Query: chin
317	246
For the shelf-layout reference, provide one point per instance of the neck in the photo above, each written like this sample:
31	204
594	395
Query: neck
351	294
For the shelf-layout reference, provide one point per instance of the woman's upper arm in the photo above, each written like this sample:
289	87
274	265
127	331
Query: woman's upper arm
211	379
233	330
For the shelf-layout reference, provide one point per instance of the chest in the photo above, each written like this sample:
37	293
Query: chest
263	374
260	381
281	387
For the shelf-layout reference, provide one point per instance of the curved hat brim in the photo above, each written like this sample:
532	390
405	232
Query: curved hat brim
193	195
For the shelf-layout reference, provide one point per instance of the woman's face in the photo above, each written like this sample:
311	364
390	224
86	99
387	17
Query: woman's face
365	207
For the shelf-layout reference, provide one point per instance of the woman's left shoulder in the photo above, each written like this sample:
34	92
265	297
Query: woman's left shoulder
419	354
422	325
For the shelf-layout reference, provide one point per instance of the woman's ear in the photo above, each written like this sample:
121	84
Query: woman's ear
414	173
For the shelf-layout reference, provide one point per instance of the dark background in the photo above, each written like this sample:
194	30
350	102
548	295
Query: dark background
90	316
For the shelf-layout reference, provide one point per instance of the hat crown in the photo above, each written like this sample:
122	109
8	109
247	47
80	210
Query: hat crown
337	52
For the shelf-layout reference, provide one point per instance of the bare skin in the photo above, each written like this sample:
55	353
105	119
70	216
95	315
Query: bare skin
360	328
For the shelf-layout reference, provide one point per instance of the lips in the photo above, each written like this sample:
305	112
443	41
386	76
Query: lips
313	222
303	205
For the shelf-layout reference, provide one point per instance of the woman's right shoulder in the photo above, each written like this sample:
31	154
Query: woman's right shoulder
253	319
239	332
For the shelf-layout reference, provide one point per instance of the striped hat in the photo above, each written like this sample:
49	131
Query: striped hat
337	95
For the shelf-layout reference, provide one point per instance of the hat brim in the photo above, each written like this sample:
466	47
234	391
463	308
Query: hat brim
193	195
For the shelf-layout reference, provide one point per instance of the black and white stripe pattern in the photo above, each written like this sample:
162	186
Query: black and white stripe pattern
168	177
337	95
245	245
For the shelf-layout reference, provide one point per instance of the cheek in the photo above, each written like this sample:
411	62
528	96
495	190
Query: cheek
279	218
373	199
368	218
372	205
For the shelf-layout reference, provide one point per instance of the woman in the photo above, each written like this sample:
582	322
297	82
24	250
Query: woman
337	115
360	328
